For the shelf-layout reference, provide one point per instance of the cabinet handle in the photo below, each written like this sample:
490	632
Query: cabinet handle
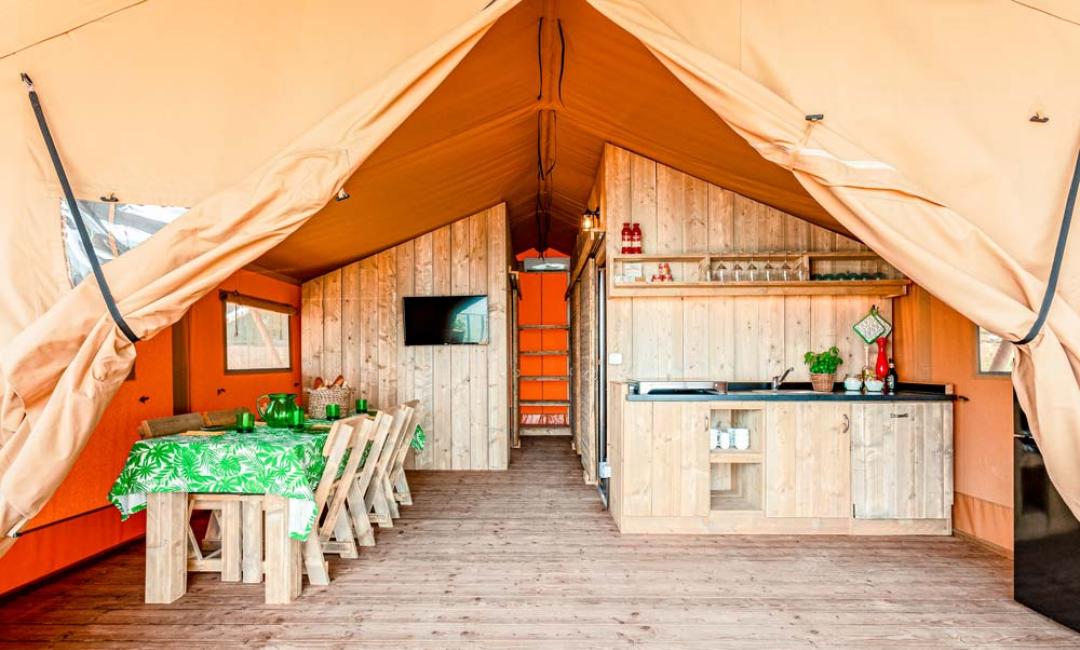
847	423
899	415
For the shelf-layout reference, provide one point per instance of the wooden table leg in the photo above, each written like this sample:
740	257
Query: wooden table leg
282	552
252	533
166	546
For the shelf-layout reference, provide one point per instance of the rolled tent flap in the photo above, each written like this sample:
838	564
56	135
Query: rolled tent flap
58	374
997	284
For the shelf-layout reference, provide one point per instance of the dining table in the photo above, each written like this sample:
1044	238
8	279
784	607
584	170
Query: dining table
279	468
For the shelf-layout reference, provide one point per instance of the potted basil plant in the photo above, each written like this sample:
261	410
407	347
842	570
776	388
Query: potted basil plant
823	367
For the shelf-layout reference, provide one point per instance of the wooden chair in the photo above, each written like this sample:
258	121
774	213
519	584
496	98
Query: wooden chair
347	437
355	501
379	498
167	426
222	417
399	484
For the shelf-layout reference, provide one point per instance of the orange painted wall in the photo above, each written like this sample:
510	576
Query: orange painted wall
542	302
934	343
207	369
78	522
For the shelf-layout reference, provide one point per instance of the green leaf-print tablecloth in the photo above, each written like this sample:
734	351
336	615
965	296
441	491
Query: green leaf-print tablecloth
267	461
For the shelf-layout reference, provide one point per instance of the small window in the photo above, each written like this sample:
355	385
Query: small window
995	353
257	337
115	228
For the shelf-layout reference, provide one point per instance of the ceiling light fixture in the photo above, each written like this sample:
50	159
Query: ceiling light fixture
341	195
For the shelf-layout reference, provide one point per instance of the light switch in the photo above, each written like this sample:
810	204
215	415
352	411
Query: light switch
615	359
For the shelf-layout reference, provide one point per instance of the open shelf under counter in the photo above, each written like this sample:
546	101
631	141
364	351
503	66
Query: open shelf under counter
735	456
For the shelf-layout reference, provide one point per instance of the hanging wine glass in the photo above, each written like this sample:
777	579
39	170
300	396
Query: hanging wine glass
722	272
785	270
737	271
767	271
752	271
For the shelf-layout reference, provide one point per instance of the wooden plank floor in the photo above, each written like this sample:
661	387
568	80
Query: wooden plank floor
527	559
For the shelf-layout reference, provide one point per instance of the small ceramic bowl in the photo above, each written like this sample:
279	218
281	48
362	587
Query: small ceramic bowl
874	385
852	383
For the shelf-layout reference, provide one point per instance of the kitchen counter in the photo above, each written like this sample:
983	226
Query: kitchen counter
802	392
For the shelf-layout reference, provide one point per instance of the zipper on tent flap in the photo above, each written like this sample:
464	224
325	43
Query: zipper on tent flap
1059	255
73	205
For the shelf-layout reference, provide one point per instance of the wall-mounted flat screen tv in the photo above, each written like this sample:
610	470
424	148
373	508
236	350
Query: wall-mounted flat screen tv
446	320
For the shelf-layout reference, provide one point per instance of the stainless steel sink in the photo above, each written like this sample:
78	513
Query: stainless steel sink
784	391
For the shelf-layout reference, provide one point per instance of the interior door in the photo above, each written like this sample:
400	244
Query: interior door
807	459
901	455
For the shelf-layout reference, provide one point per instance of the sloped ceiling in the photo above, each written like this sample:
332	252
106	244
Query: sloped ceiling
475	142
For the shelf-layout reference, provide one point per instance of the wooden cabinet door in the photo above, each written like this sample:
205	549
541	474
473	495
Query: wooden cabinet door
807	459
666	459
901	460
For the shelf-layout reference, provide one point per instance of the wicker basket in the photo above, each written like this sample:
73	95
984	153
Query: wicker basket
823	383
318	399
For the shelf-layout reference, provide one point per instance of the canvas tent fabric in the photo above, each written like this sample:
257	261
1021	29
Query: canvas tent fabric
429	111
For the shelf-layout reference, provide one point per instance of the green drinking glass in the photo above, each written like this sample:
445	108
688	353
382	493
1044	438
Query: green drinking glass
333	411
245	421
296	420
361	406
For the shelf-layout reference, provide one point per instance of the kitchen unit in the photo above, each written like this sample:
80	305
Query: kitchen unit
829	463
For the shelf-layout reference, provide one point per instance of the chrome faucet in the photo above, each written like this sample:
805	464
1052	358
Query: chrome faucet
779	379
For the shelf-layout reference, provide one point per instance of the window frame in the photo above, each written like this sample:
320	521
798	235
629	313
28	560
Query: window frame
238	298
978	356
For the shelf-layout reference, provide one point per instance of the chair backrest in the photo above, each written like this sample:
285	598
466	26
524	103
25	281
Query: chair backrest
167	426
397	460
380	432
223	417
347	436
402	416
362	430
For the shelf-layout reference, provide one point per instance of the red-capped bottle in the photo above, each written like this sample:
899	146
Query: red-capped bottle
636	239
627	239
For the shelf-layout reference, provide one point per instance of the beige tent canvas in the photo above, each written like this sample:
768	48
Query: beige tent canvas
944	136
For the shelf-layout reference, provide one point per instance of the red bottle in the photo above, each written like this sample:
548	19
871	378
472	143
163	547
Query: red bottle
882	367
627	239
636	239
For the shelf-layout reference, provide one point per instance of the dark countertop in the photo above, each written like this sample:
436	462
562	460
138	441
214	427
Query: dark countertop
742	392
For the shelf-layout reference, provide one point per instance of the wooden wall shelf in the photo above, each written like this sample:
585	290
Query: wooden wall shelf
884	288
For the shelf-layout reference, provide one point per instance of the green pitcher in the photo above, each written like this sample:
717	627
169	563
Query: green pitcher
275	409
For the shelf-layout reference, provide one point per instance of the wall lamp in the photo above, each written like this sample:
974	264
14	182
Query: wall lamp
590	220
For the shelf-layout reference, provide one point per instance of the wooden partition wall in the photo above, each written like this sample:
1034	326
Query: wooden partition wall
742	338
351	324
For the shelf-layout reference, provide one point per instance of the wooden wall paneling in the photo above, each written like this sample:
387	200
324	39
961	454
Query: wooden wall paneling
748	340
721	219
369	331
423	356
331	350
586	400
722	337
643	205
311	330
695	222
797	334
697	342
389	326
460	458
442	368
478	355
352	304
617	201
498	371
352	323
